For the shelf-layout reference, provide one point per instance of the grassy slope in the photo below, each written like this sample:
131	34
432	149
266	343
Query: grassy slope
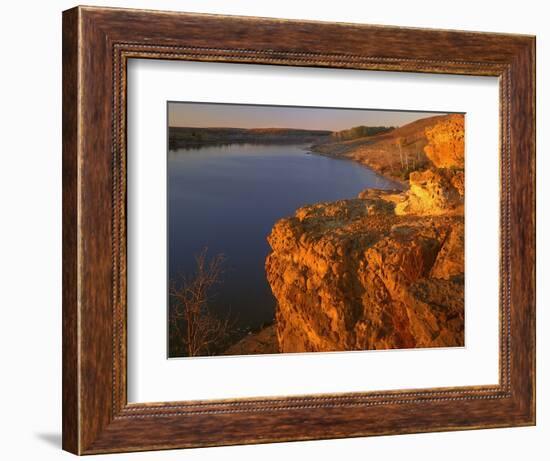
381	152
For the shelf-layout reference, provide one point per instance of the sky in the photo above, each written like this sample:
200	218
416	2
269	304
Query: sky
191	114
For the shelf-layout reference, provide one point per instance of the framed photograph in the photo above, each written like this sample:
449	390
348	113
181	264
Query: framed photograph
280	230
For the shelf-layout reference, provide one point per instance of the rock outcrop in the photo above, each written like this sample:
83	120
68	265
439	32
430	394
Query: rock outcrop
433	192
381	271
445	147
260	342
439	189
349	275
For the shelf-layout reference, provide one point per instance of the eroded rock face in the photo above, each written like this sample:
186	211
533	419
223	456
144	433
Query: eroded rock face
439	189
433	192
351	275
445	147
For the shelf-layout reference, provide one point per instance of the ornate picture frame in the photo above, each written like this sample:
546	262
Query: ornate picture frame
97	44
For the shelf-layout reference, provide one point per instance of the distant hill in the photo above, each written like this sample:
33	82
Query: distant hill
189	137
359	132
394	153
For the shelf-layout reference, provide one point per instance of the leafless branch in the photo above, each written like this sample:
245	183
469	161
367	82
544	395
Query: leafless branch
194	329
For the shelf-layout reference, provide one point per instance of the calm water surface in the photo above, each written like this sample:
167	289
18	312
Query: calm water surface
227	198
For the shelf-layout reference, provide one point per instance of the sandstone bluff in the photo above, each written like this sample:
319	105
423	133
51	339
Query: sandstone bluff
383	270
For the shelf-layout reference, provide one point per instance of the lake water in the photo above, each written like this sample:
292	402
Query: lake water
227	198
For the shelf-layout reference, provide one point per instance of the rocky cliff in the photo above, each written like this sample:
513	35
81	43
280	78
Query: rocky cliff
439	189
445	142
384	270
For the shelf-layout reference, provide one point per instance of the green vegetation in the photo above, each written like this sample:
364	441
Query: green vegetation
359	132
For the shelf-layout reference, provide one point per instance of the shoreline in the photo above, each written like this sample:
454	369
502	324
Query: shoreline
403	185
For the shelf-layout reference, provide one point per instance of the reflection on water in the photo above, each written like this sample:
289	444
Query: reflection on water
227	198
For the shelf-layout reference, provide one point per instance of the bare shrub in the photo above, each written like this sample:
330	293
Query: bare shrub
194	329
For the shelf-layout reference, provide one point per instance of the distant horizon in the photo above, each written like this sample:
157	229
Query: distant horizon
253	116
252	128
